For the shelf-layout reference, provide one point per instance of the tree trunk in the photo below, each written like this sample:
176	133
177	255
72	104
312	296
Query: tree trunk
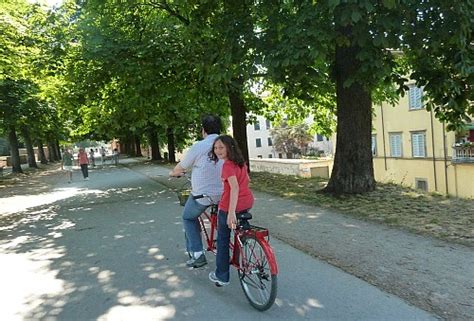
58	150
138	148
41	154
54	154
127	145
171	147
14	152
29	147
50	152
154	144
132	146
353	170
239	125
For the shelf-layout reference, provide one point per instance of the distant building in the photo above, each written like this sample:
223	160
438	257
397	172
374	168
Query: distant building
411	147
260	141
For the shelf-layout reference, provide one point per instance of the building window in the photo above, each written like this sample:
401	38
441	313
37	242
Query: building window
374	145
319	138
395	140
256	126
258	142
415	95
418	144
259	156
268	124
270	156
270	143
421	183
280	155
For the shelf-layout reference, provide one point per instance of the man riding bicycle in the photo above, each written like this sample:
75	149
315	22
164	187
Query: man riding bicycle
205	179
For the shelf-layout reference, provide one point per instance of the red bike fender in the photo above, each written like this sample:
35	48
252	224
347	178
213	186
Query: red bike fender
271	257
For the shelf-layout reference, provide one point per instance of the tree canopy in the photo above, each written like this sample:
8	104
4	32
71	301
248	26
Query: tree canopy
147	69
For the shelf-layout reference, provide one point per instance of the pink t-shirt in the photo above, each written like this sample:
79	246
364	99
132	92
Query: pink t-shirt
82	157
245	200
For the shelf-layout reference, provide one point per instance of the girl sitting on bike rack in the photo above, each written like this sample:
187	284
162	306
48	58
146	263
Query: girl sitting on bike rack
237	198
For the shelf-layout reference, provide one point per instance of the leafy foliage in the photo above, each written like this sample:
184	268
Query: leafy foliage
291	140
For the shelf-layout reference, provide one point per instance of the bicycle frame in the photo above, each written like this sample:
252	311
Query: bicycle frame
211	219
260	233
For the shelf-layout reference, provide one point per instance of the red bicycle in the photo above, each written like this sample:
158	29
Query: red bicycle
252	255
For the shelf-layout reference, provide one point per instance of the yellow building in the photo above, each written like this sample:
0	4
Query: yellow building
411	147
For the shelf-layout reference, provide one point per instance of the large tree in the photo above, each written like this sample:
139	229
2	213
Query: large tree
131	76
347	47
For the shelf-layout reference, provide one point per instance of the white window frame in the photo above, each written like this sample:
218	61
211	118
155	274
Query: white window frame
256	125
268	123
418	144
396	144
269	141
415	98
257	140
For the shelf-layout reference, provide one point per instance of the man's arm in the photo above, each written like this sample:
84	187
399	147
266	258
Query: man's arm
178	170
186	162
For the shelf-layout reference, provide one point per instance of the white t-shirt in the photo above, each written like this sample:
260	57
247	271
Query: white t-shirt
206	175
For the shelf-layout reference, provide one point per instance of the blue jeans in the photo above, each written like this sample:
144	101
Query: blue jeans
223	239
191	212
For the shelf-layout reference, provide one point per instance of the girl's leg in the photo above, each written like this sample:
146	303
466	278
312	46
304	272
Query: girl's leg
86	170
83	170
222	256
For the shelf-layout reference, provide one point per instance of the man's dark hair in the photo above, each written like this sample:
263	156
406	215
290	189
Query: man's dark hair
211	124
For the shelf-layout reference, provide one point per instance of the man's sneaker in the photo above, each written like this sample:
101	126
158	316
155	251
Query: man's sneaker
216	281
196	263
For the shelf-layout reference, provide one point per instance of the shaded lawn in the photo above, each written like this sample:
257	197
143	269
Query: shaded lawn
448	218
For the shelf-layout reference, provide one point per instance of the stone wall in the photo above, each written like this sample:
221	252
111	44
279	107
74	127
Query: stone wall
298	167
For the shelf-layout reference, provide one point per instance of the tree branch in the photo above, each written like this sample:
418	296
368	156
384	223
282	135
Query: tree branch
164	5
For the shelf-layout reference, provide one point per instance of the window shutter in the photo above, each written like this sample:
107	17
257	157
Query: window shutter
415	95
418	144
395	145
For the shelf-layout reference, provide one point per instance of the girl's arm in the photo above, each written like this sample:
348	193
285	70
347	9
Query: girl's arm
234	196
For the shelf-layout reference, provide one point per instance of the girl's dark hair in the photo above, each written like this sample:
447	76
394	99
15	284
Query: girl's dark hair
233	151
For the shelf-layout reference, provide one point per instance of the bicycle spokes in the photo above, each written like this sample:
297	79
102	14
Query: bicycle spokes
258	283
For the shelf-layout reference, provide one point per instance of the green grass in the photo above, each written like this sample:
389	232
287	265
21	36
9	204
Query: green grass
447	218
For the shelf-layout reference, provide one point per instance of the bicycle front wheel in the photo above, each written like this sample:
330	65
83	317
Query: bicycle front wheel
256	278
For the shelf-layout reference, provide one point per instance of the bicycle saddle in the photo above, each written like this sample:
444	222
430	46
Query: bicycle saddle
244	216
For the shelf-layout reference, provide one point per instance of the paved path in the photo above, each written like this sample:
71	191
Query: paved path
111	249
429	273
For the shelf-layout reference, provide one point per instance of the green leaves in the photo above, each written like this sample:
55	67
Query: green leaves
389	4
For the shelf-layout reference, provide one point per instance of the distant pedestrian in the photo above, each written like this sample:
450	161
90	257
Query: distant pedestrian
83	161
115	156
91	157
102	154
66	164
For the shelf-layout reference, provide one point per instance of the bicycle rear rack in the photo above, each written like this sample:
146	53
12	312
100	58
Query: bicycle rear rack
259	231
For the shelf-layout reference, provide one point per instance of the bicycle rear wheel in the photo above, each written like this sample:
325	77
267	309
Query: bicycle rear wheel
256	278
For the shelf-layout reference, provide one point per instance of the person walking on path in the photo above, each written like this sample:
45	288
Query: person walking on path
91	157
237	198
66	164
115	156
102	154
83	163
205	179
